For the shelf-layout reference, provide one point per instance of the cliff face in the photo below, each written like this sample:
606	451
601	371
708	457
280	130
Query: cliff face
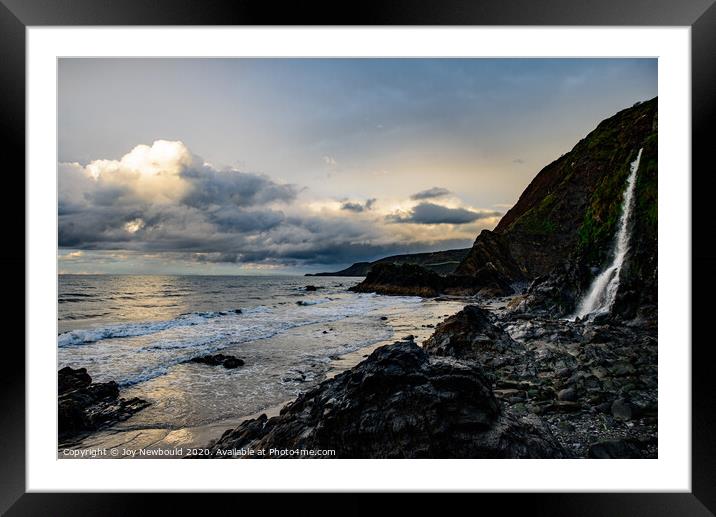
565	220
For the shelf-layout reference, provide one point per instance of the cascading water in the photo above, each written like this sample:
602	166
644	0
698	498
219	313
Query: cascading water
600	297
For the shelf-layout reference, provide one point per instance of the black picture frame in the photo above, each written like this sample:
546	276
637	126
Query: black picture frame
700	15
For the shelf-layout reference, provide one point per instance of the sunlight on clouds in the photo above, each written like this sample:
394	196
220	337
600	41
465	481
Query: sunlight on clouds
152	173
72	255
134	226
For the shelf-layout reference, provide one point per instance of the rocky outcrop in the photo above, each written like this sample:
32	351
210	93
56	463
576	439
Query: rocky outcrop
491	248
557	294
472	334
227	361
85	406
412	280
401	280
398	403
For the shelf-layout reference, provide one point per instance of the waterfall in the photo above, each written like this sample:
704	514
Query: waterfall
600	297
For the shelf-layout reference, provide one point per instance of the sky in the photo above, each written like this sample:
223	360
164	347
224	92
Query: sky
288	166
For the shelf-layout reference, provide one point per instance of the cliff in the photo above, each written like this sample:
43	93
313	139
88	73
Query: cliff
560	233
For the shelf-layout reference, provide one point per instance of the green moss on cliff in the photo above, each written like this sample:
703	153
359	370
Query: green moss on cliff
598	227
537	220
646	186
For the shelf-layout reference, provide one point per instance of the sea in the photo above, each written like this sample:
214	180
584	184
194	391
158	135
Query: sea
140	330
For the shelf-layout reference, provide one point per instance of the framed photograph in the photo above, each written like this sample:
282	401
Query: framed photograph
427	249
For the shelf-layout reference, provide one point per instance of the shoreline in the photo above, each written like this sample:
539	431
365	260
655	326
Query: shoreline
128	440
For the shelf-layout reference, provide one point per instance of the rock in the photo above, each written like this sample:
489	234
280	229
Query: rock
471	334
414	280
227	361
569	394
509	393
564	372
399	403
611	449
604	407
233	362
491	248
384	318
84	406
69	379
409	337
621	410
311	288
401	280
566	426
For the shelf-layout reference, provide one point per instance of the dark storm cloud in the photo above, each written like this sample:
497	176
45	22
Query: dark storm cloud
430	193
352	206
430	213
233	219
212	187
333	251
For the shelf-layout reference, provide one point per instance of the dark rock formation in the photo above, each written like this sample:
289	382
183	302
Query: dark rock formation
84	406
589	382
227	361
491	248
401	280
412	280
557	294
398	403
471	334
311	288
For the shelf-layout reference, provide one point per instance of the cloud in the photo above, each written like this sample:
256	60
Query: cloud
161	196
430	193
358	207
329	160
160	200
430	213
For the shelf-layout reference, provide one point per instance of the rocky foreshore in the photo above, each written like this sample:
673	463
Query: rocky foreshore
400	402
594	384
484	385
85	406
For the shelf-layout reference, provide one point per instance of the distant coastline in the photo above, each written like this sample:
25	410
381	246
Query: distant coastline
441	262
